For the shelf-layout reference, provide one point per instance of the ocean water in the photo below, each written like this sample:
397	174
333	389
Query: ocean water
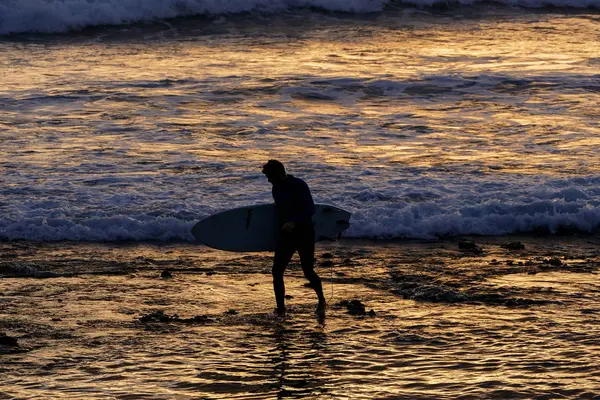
131	120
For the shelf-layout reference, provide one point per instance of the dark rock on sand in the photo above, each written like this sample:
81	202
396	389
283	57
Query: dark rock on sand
166	274
355	307
327	263
469	246
6	340
326	255
231	311
513	246
289	297
555	261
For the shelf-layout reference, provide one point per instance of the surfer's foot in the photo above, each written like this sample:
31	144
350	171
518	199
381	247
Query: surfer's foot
321	307
279	312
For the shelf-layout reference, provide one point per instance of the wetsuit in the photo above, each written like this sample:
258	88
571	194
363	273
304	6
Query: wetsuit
294	203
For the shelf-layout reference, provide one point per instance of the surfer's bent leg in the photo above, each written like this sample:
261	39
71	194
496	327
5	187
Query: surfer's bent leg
306	251
283	254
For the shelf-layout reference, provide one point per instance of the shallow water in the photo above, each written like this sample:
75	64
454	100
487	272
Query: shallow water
423	123
81	336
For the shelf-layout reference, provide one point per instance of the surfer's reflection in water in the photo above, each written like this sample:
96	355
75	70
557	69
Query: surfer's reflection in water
295	207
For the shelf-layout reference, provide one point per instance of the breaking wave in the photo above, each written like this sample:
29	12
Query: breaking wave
48	16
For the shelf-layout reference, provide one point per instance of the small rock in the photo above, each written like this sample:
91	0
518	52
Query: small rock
166	274
326	255
209	273
231	311
327	263
289	297
355	307
510	262
554	261
8	340
469	246
513	246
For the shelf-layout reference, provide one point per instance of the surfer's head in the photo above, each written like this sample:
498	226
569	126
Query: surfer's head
275	172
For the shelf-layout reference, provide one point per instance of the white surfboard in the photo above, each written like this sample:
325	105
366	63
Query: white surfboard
254	228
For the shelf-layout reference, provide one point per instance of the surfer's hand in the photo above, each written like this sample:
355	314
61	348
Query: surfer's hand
288	226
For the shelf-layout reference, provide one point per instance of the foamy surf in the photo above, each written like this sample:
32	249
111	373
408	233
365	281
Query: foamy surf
409	215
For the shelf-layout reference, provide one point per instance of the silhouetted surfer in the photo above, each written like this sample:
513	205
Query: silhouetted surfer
295	207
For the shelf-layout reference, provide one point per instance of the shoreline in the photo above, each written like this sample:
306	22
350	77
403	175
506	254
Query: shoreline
436	321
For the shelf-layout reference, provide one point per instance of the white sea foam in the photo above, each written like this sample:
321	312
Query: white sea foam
44	16
395	211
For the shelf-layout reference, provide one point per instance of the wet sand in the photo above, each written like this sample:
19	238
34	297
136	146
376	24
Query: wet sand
451	319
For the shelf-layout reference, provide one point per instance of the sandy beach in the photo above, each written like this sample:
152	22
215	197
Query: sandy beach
460	318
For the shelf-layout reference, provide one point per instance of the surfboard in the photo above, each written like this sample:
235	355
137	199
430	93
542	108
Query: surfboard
254	228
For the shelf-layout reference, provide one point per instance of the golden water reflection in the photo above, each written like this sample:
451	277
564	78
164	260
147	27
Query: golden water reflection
482	88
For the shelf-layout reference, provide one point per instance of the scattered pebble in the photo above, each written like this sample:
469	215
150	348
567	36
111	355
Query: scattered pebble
513	246
327	263
231	311
355	307
8	340
554	261
326	255
166	274
469	246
